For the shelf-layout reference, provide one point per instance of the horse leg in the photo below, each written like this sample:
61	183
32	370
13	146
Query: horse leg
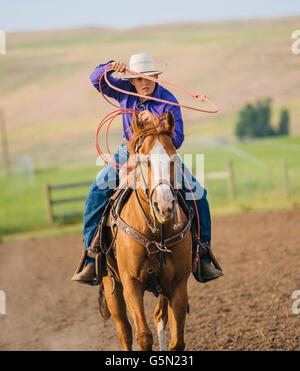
117	308
177	309
133	295
160	320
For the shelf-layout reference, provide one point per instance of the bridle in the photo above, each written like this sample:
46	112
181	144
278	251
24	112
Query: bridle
108	119
149	193
118	220
153	247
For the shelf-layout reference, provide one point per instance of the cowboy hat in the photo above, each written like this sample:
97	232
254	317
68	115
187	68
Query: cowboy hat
142	63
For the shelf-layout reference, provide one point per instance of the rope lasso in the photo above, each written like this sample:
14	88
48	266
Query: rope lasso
183	90
120	111
111	116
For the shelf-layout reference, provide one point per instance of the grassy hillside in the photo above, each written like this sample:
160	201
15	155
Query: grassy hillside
52	111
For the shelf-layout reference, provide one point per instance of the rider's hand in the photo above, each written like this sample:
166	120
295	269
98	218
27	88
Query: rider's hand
146	116
118	66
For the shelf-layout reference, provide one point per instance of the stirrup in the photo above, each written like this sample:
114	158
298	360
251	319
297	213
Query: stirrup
98	268
204	249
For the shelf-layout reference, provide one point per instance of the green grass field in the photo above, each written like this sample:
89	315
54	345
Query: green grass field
257	169
51	110
258	174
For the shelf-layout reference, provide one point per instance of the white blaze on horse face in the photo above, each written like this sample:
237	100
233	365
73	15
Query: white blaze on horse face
160	170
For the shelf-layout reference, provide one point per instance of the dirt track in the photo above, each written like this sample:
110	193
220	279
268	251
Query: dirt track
248	309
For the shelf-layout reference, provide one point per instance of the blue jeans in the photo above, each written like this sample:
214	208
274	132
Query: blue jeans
108	180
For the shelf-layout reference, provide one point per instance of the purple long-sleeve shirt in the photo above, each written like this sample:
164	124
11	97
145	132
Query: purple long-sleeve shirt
133	102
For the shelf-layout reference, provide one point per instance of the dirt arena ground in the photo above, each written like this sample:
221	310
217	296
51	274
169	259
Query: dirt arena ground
250	308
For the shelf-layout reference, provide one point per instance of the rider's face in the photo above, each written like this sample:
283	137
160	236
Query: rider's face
144	86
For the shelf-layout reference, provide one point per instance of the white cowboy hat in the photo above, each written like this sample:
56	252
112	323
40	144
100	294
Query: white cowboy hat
142	63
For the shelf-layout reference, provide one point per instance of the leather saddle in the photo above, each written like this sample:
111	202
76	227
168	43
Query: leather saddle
103	243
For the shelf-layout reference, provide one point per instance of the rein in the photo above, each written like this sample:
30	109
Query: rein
120	111
145	188
152	247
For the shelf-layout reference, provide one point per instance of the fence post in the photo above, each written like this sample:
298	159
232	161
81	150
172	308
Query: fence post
4	144
231	185
285	179
49	205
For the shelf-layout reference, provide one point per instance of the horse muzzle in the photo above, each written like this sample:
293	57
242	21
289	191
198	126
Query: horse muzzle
164	210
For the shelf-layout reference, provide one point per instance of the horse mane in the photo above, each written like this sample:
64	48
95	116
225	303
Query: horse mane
156	127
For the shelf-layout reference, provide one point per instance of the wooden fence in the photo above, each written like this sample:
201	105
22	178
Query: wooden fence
50	201
50	188
225	175
229	175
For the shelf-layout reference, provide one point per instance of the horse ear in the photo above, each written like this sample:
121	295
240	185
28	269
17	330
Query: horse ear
170	122
136	123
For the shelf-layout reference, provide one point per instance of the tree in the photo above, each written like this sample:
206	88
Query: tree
246	117
283	127
254	120
262	126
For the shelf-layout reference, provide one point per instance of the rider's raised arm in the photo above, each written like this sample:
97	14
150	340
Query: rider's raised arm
178	130
110	92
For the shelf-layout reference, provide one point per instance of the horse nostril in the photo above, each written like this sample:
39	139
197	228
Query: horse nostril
156	206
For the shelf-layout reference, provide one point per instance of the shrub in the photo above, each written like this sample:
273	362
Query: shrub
255	121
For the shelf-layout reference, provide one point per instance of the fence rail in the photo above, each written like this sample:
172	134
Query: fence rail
225	175
56	187
50	202
228	174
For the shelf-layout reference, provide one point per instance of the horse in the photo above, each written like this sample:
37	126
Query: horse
153	214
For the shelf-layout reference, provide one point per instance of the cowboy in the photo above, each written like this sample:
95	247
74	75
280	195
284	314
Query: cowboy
103	187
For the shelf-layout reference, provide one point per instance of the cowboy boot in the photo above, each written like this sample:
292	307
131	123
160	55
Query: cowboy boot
86	275
206	270
209	272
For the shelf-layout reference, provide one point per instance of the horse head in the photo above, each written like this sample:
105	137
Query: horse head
154	153
147	259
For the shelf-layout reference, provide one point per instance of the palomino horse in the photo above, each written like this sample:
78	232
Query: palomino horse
149	210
